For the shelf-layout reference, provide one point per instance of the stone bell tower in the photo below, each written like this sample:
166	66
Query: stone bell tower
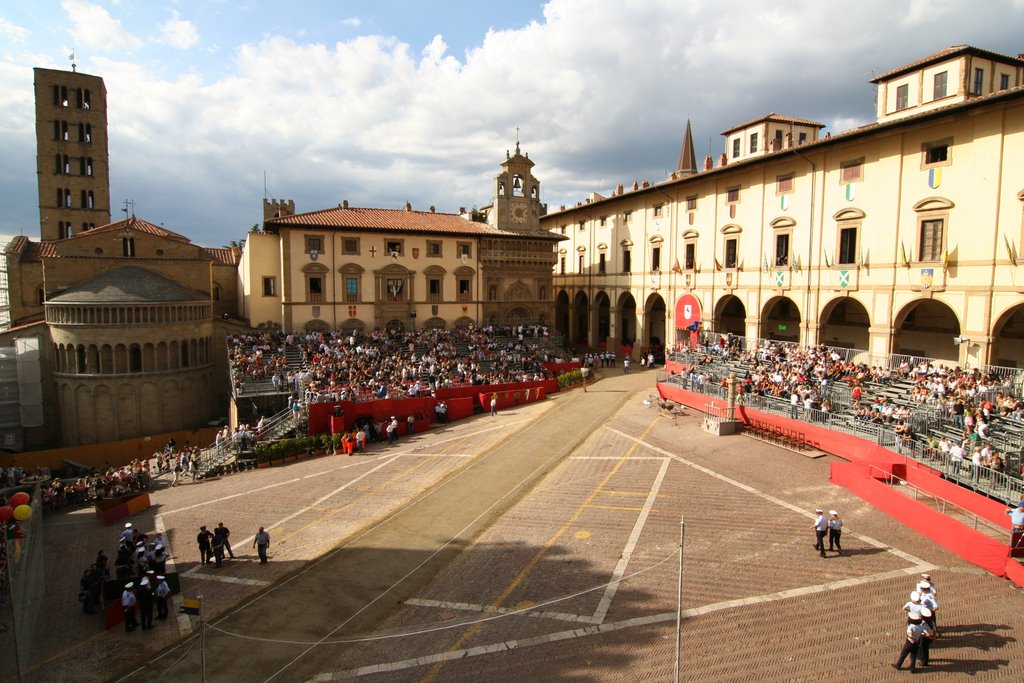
517	204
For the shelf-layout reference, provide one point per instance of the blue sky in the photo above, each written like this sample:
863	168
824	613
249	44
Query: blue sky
386	102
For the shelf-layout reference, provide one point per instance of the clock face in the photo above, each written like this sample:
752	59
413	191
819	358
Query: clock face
519	215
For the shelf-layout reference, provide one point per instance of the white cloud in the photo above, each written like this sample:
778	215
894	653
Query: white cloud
12	31
94	28
352	21
178	33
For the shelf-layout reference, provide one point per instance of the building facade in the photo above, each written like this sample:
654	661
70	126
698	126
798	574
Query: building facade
349	268
72	153
899	237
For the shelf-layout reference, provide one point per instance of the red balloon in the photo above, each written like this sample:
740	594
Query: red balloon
20	498
6	512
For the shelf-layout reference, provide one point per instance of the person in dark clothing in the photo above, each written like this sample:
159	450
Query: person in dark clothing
226	533
203	538
218	547
145	598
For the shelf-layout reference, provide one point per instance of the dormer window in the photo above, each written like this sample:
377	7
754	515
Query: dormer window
753	143
979	81
902	97
939	85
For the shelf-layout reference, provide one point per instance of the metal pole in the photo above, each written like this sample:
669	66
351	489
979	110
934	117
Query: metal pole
202	640
679	597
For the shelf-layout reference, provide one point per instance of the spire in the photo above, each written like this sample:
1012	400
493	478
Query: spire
687	160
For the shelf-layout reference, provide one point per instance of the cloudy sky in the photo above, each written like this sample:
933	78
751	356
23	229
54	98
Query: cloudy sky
391	101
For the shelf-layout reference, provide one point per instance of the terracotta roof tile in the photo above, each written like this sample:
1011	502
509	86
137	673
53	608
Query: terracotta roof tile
134	223
946	54
391	220
777	118
224	255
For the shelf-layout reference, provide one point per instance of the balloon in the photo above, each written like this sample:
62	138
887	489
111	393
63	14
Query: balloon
6	512
20	498
22	512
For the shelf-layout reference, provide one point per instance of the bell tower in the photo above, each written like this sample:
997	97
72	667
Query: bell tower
516	195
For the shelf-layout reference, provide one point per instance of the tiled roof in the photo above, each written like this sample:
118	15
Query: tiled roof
390	220
777	118
946	54
134	223
127	284
224	255
36	251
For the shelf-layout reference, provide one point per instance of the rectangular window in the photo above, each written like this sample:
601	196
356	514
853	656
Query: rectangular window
351	289
939	85
627	261
393	247
656	258
465	289
735	148
128	246
316	290
802	138
732	195
691	256
1004	81
561	229
931	240
582	225
778	139
979	81
847	246
600	264
851	171
731	251
603	221
657	210
314	244
936	154
434	289
782	249
269	286
902	97
464	249
561	266
626	216
691	203
753	143
784	184
434	248
350	246
581	264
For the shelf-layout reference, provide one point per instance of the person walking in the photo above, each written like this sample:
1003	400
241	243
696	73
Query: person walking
835	531
203	539
911	645
217	546
226	533
262	543
392	430
924	644
410	425
820	527
625	365
494	405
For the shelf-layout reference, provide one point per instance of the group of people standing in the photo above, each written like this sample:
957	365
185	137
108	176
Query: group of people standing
922	628
213	544
144	562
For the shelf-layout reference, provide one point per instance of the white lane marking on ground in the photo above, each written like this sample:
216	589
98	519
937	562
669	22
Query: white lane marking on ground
227	579
620	569
767	496
470	607
184	623
607	627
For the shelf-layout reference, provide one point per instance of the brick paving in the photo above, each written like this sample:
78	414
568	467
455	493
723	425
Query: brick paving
588	553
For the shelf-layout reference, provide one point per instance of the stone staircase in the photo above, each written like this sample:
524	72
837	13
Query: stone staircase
215	460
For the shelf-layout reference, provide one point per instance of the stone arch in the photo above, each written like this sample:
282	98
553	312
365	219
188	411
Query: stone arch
627	318
654	323
434	323
602	317
562	313
317	325
1008	338
352	325
464	322
925	328
845	323
780	319
730	316
580	312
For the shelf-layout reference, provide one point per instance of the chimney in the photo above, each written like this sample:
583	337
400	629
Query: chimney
408	206
344	204
431	209
618	189
646	184
462	210
636	186
722	160
773	145
709	163
787	141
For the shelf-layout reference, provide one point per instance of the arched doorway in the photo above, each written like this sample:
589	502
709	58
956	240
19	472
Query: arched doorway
562	314
519	316
580	314
654	324
602	318
730	316
845	324
1008	339
925	328
780	320
627	319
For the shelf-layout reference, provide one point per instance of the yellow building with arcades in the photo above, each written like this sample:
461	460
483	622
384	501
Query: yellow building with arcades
899	237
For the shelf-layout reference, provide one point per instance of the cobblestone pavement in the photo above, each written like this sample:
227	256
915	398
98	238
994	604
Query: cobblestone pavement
540	545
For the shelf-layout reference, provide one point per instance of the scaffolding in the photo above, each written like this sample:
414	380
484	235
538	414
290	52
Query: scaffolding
5	296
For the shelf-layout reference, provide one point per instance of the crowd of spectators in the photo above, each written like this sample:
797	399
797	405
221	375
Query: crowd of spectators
108	482
392	363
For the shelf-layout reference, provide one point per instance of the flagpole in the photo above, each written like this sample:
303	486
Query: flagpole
202	640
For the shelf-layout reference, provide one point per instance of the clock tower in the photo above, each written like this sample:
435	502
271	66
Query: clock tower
517	204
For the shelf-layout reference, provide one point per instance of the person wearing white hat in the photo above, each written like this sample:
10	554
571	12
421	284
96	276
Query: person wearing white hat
128	534
128	606
928	634
926	578
911	645
929	600
162	592
820	527
835	531
913	607
145	598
